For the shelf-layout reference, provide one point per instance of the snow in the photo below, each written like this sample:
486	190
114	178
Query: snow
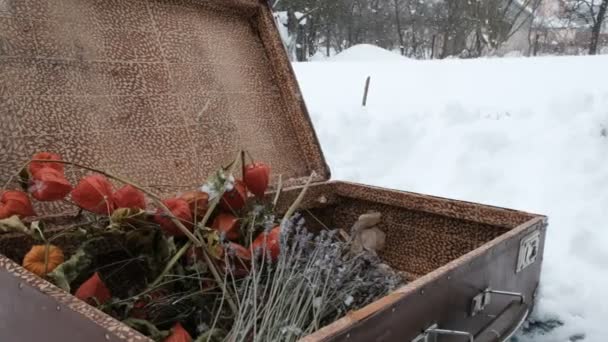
523	133
366	52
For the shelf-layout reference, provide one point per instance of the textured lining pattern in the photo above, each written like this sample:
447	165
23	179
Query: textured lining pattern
163	92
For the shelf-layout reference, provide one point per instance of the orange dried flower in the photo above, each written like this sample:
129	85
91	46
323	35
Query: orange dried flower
269	241
14	202
227	224
93	291
236	198
257	177
49	184
34	167
181	210
240	258
178	334
34	259
198	202
94	193
129	197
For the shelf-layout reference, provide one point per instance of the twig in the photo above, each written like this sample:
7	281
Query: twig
294	206
243	164
278	191
250	157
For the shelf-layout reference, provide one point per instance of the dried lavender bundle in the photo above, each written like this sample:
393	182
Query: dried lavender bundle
315	281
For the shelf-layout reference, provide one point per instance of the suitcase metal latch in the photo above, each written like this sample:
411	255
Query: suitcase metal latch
482	300
528	251
433	331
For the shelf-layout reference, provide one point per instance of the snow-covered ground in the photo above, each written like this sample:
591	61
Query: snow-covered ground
528	134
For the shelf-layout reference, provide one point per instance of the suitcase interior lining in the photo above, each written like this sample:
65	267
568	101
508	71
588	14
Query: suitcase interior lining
417	243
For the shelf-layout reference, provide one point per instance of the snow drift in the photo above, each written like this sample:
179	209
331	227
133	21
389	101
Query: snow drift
529	134
366	52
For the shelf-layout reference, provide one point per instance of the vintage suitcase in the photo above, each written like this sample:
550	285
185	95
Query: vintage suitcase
163	92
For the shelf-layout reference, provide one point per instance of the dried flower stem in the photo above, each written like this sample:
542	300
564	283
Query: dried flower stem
171	263
243	164
278	191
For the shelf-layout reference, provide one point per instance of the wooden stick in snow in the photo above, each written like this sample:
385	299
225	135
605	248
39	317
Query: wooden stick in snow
366	90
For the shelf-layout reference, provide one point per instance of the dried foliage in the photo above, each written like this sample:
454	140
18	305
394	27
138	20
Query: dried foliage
212	264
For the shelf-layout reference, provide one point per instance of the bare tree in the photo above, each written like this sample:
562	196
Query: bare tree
590	13
418	28
597	27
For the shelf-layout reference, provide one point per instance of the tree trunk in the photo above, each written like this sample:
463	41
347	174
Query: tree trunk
328	40
597	27
399	31
535	51
292	29
301	44
312	37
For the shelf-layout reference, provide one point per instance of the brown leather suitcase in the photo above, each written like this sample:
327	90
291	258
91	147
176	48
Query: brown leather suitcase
163	92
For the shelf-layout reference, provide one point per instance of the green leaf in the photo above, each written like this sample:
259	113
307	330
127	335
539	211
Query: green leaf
147	328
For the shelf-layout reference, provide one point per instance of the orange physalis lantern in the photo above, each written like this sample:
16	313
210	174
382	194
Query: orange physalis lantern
49	184
13	202
94	193
94	291
181	210
129	197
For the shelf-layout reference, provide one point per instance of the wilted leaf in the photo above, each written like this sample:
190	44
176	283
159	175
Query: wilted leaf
151	244
14	225
365	236
147	328
373	240
142	241
121	214
66	273
37	229
212	240
80	261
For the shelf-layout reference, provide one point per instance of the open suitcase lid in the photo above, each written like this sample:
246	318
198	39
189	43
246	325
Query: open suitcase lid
161	92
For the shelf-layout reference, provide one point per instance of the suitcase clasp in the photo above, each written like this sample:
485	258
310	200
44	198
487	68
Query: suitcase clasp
434	330
482	300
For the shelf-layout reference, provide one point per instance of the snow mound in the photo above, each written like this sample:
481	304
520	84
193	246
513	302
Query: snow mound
366	53
524	133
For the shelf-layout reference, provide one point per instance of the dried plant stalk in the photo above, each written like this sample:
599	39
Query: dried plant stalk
315	281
